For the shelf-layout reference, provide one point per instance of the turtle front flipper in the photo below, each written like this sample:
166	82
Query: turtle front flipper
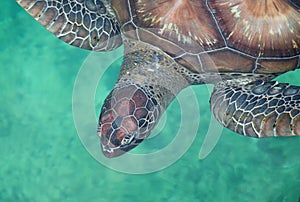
146	86
258	109
88	24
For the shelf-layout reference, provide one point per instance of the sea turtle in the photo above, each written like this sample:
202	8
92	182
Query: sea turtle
171	44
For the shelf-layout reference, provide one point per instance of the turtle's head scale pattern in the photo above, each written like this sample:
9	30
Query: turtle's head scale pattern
127	118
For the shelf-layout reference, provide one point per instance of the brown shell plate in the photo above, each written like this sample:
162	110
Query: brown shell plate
218	35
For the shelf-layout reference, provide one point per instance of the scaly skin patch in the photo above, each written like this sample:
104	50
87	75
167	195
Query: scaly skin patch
258	109
86	24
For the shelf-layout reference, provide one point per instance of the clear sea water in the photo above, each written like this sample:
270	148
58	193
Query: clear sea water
42	158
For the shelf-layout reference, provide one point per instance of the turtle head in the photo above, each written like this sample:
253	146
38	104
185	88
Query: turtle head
145	87
126	119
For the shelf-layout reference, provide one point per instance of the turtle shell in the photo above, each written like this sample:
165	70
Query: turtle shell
250	36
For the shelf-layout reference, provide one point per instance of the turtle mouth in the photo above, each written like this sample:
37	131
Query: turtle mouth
110	150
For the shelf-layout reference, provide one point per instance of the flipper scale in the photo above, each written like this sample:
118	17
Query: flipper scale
86	24
258	109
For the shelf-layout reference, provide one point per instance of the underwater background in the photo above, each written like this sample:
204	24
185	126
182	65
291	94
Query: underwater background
42	158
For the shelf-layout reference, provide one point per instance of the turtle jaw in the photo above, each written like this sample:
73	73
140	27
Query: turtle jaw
113	141
110	150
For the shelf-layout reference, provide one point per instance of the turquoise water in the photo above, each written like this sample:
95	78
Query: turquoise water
43	159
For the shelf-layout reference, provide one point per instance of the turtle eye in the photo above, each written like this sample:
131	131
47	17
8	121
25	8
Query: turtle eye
127	139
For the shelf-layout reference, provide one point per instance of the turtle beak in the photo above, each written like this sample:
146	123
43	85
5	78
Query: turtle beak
111	151
112	141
